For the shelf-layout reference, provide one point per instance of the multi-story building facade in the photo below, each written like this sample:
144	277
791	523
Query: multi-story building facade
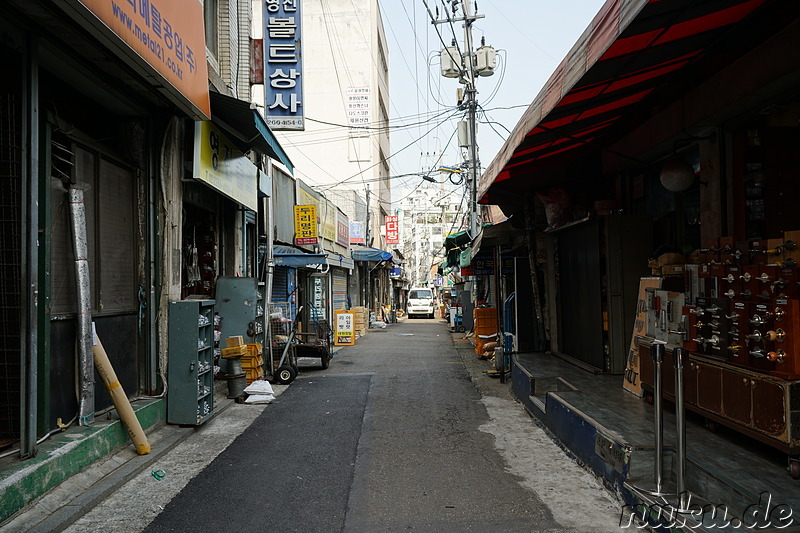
344	104
428	215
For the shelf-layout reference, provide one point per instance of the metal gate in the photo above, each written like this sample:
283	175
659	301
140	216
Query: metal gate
10	271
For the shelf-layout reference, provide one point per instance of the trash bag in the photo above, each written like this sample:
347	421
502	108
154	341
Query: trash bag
259	398
259	387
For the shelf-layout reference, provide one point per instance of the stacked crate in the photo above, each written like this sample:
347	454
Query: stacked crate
360	320
485	328
253	363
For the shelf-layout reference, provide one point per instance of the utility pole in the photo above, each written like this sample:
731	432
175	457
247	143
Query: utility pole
368	291
466	67
472	107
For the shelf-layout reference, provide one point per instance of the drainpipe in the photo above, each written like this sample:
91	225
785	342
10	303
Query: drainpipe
85	357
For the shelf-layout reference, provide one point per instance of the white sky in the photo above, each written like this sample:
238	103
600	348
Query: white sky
534	35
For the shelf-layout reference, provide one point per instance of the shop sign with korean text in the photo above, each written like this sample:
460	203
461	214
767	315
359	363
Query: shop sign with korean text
305	225
358	106
283	65
328	220
342	229
392	230
356	233
483	264
345	333
218	163
169	35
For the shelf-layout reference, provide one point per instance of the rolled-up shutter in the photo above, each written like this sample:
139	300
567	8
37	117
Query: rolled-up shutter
280	285
339	296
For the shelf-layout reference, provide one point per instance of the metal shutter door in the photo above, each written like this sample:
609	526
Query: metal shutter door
280	285
116	246
339	296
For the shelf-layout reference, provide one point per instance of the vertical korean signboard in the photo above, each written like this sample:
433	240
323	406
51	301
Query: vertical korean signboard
305	225
283	65
392	230
342	229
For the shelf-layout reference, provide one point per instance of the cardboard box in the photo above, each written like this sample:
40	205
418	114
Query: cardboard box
237	340
671	259
673	270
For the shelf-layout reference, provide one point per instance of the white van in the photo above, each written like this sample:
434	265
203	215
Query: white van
420	302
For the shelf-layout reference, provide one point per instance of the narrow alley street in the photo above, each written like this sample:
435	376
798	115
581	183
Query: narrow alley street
404	431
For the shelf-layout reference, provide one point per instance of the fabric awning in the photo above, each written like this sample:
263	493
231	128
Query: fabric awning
630	50
295	257
247	127
363	253
339	260
456	240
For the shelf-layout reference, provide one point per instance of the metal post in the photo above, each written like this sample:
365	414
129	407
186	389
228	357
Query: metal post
657	352
680	427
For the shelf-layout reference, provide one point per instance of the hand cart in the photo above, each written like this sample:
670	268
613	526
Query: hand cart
317	343
283	337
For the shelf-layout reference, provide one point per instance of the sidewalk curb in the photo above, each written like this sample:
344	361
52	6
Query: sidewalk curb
68	511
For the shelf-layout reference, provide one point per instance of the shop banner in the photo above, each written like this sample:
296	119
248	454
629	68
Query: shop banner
283	65
345	334
342	229
392	230
356	233
169	36
218	163
305	225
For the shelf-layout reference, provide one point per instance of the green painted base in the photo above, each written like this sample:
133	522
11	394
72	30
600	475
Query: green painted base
65	454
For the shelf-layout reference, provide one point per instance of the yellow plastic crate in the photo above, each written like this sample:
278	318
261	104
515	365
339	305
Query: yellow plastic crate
254	349
254	374
237	351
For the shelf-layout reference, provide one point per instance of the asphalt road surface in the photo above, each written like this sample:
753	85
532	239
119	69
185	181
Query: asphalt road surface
394	436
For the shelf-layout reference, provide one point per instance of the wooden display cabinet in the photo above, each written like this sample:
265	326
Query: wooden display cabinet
758	405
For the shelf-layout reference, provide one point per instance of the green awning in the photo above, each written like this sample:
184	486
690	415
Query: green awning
465	257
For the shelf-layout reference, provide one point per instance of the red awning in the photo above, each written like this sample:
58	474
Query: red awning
631	48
